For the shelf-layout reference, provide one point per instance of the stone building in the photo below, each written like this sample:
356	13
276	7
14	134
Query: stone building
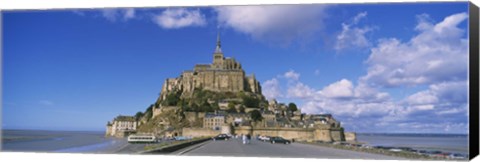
224	74
272	105
213	121
121	126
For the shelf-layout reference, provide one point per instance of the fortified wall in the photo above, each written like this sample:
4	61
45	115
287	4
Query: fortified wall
350	136
298	134
199	132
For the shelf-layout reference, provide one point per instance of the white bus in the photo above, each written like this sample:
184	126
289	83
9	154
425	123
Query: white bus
142	138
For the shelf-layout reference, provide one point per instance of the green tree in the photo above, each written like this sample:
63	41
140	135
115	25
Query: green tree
256	115
292	107
250	101
194	107
231	105
240	94
138	115
181	103
172	99
241	109
215	106
149	112
263	104
206	107
231	108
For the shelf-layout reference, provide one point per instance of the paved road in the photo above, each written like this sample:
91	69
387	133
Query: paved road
133	148
256	148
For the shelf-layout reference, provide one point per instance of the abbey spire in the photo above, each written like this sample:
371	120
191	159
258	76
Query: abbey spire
218	49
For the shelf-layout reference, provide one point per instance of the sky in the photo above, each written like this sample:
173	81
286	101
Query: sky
378	68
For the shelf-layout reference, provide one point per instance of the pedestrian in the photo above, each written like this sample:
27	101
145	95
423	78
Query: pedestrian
248	138
244	139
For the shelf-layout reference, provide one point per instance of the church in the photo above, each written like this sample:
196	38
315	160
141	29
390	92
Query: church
224	74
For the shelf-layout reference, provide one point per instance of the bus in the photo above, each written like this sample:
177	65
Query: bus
142	138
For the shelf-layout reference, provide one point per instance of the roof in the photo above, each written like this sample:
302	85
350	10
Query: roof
323	114
202	65
124	118
209	115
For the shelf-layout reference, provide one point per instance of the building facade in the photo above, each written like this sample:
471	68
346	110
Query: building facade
213	121
122	126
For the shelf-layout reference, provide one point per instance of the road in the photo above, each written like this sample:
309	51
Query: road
131	148
134	148
235	148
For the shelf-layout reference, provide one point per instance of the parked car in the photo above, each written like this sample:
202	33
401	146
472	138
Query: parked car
221	137
264	138
458	156
279	140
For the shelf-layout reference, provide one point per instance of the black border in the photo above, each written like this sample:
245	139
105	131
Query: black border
473	81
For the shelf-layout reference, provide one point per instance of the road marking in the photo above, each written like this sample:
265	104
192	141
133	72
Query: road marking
192	148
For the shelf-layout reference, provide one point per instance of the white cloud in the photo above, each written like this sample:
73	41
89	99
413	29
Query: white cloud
454	92
444	98
353	36
271	89
433	58
368	109
291	74
451	111
129	14
359	16
439	53
352	108
340	89
422	97
300	90
115	14
274	23
341	98
365	92
179	18
432	106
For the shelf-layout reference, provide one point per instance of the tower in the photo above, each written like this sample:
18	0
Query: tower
218	54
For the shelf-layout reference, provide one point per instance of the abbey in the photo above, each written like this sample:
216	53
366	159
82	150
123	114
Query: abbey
219	98
223	75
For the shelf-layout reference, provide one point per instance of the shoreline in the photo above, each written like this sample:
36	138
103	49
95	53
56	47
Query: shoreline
107	147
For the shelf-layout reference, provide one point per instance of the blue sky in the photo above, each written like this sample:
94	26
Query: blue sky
398	68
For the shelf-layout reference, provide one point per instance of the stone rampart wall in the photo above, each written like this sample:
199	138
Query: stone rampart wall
350	136
199	132
298	134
